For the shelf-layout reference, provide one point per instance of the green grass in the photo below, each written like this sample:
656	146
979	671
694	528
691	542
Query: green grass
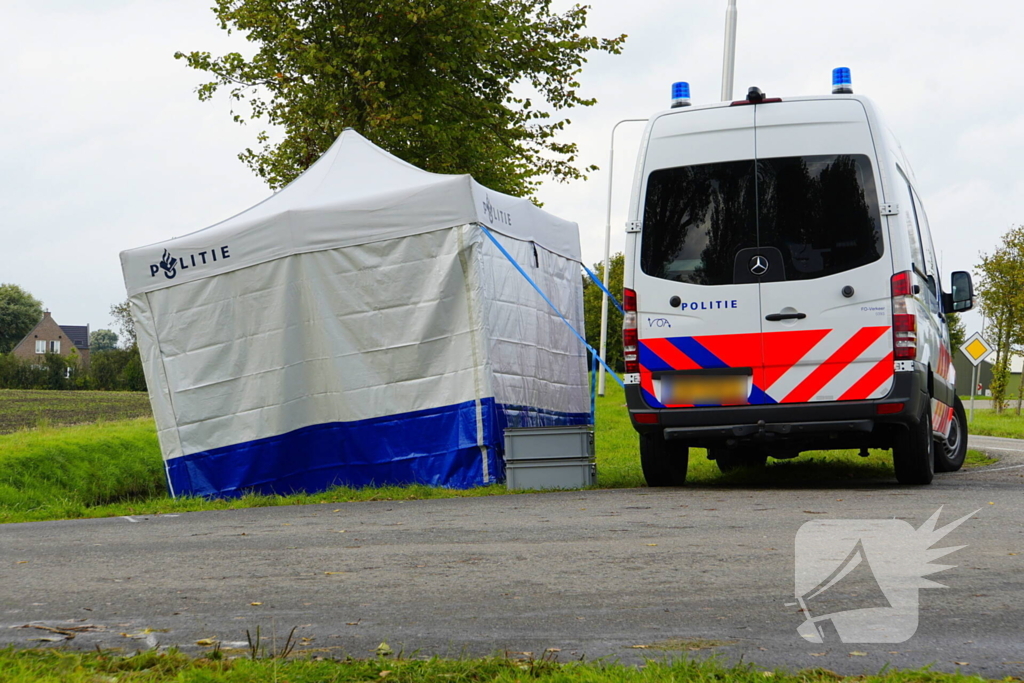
22	409
70	468
978	459
112	469
45	666
987	423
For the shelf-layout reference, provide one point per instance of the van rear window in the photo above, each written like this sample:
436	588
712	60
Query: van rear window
820	212
695	220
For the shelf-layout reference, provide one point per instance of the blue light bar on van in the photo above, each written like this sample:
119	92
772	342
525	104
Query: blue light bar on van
680	94
841	82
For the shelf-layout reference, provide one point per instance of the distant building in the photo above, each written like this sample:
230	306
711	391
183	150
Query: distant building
49	337
965	374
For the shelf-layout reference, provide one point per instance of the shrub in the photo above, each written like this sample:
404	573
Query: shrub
117	370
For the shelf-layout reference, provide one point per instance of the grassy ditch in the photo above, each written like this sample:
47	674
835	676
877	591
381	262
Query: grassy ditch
44	666
111	469
65	470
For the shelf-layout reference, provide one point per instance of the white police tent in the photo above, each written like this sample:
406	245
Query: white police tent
361	326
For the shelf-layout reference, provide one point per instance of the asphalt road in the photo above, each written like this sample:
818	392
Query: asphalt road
591	573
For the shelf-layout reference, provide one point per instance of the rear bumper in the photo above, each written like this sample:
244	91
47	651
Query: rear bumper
804	426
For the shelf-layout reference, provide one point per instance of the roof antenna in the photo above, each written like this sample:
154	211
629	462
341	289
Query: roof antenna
729	57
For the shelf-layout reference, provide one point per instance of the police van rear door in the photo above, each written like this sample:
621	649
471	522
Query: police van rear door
826	294
699	315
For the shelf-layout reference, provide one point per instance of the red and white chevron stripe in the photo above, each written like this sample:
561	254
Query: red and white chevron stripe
838	368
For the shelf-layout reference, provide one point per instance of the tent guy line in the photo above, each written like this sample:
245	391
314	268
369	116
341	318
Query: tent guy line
544	296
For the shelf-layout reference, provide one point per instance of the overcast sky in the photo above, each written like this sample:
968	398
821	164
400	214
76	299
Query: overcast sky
104	146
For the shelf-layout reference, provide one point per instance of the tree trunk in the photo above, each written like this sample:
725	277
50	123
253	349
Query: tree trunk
1020	391
1003	365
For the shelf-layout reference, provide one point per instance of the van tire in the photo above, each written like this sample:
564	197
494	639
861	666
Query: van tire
664	463
950	455
729	459
913	454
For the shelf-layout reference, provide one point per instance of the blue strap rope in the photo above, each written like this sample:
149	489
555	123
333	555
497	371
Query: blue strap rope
553	307
604	289
593	389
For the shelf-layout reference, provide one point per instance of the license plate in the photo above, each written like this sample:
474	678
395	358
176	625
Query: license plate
702	390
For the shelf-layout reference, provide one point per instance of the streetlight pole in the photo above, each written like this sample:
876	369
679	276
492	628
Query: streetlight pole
607	255
729	56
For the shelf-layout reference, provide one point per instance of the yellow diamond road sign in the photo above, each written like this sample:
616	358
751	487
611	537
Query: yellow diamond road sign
976	349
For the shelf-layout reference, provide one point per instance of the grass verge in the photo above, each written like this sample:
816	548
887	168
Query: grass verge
44	666
114	469
987	423
64	471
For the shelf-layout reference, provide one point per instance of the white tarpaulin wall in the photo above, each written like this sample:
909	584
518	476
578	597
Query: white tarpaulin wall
358	327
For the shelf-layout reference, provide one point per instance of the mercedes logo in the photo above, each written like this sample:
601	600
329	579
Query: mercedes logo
759	265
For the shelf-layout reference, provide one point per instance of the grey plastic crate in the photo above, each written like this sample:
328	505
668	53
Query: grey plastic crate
549	443
564	473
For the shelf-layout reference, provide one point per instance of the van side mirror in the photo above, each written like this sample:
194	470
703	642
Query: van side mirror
962	298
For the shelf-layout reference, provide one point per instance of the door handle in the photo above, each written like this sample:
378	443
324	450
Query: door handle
774	317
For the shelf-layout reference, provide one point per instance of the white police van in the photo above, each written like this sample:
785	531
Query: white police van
782	292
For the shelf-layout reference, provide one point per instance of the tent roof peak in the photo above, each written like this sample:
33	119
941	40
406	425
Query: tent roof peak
355	193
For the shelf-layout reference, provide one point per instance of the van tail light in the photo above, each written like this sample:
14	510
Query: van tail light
629	332
888	408
904	323
628	300
902	283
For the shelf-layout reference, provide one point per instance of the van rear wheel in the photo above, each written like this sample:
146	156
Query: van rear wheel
664	462
913	454
950	455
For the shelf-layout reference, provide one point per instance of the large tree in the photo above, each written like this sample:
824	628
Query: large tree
102	340
122	315
19	313
1001	291
121	368
447	85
